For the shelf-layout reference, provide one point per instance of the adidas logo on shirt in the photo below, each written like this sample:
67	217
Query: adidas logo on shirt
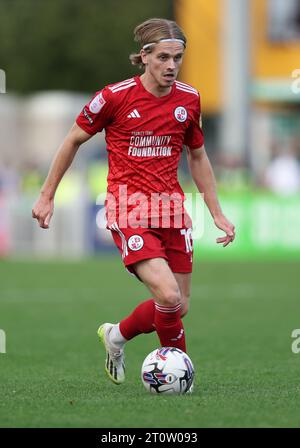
134	114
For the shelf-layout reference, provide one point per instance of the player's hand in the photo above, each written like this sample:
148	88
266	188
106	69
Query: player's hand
43	210
222	223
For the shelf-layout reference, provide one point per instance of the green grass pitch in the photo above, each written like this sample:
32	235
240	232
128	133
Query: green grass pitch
238	335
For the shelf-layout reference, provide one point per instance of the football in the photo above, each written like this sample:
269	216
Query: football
168	370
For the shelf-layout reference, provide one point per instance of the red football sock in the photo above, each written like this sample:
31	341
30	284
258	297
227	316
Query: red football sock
140	320
169	327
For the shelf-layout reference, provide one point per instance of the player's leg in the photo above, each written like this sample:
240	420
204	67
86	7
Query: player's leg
164	312
141	320
160	280
179	250
133	246
184	283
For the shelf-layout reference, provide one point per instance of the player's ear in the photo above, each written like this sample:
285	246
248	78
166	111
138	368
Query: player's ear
144	56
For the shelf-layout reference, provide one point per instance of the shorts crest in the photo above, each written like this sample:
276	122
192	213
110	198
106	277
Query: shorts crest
135	242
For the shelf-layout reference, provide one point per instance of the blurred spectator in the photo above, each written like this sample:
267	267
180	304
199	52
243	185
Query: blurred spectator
282	176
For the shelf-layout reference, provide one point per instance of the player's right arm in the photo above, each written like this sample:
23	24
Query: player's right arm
43	208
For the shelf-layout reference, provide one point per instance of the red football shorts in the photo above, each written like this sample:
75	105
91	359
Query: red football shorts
174	245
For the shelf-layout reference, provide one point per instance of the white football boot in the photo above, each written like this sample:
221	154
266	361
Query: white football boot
115	358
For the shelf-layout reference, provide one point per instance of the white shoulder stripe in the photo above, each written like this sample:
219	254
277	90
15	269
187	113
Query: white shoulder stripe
193	92
125	81
187	86
184	84
123	87
122	83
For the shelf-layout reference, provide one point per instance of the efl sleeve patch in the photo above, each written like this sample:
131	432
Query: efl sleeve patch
97	103
94	116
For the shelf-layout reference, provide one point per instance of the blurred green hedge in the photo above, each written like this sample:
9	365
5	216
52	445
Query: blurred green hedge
70	44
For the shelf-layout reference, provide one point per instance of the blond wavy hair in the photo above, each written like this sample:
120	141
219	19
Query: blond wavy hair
152	31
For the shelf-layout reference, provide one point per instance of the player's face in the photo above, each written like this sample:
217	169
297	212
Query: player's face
163	63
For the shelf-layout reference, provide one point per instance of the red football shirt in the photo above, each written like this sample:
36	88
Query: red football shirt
145	136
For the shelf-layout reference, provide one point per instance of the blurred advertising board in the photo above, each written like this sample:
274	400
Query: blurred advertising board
266	224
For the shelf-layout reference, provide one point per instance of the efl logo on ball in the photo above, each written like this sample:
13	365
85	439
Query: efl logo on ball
180	114
168	370
135	242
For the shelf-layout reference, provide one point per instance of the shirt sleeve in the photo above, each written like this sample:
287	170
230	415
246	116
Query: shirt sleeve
194	137
96	114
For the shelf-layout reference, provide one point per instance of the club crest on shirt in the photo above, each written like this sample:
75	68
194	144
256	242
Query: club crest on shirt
180	114
97	103
135	242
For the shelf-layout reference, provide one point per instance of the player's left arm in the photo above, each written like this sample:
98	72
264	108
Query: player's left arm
204	179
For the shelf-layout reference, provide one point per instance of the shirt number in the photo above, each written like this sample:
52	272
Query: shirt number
188	239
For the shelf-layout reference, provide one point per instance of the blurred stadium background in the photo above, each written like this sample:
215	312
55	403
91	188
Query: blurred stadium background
243	57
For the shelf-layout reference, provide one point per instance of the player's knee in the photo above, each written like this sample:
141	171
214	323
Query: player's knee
171	298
